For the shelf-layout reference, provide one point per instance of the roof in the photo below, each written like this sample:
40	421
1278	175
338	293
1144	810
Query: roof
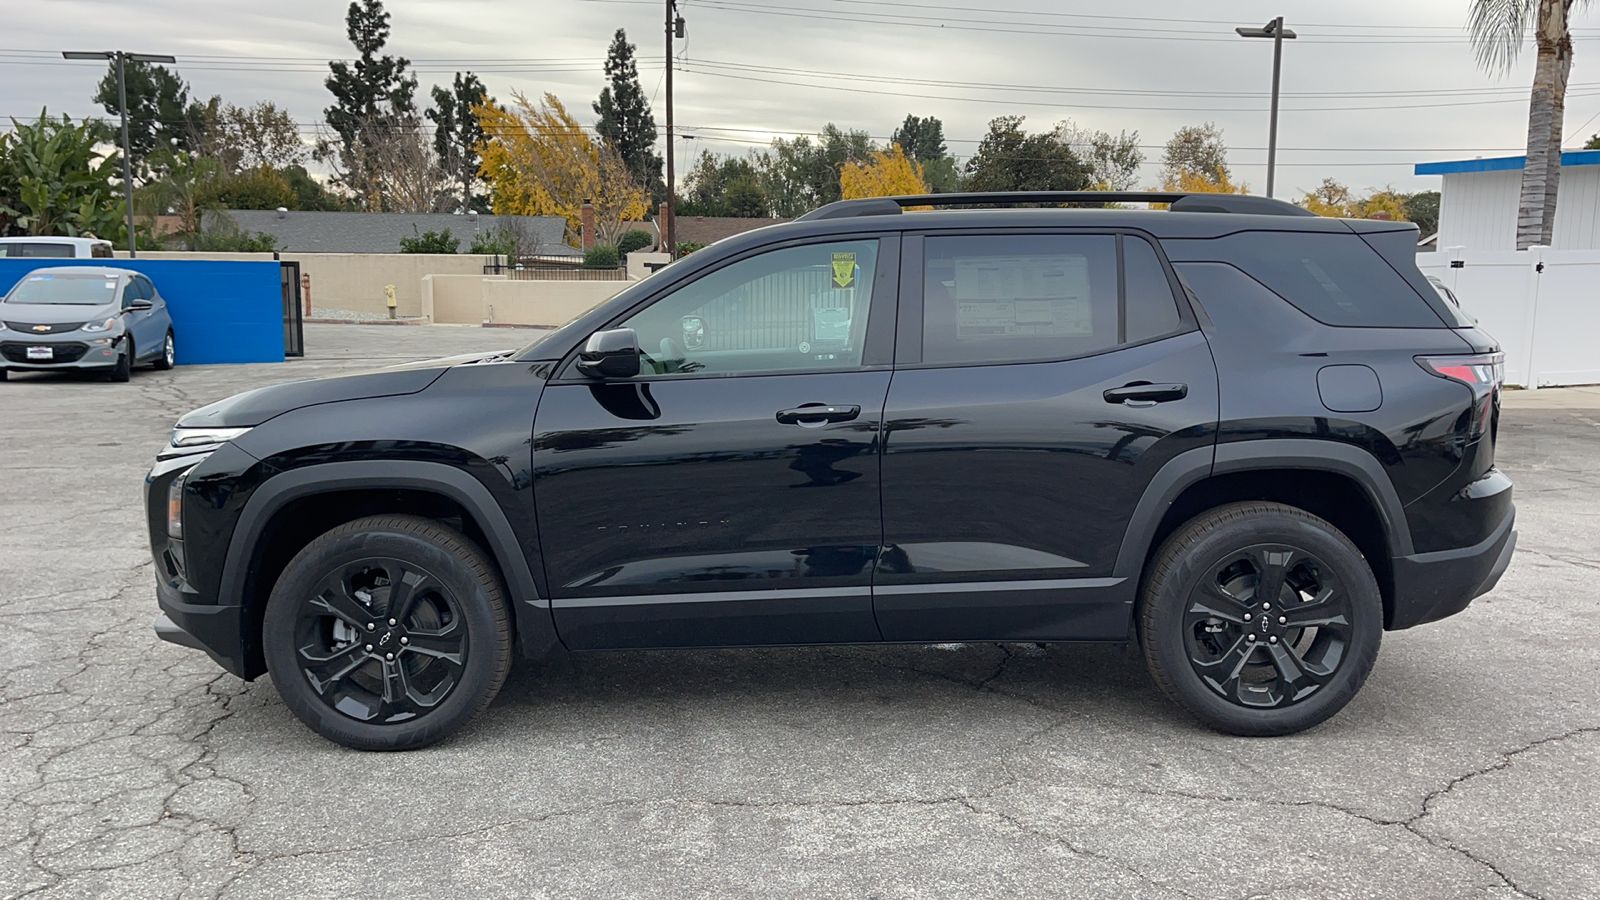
304	231
105	271
710	229
52	239
1503	163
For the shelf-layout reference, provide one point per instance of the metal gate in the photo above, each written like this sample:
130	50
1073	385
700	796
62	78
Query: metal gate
294	332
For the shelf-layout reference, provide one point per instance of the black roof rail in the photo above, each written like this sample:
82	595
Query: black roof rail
1180	201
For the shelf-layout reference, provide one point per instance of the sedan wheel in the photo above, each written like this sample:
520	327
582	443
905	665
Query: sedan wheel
168	354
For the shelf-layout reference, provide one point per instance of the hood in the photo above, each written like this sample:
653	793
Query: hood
53	313
251	408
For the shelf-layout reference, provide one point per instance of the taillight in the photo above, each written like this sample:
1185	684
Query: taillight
1484	373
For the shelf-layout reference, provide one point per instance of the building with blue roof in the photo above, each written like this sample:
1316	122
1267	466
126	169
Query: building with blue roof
1478	202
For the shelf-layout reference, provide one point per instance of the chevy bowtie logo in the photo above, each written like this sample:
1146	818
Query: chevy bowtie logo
41	328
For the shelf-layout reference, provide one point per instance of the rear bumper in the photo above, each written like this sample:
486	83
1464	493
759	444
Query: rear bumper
201	626
1431	586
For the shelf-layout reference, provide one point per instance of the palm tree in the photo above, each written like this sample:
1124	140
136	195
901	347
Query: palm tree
1499	28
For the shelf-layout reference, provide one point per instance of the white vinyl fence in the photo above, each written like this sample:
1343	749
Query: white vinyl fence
1542	305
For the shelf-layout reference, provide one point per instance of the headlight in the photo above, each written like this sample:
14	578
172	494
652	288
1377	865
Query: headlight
107	325
185	441
175	505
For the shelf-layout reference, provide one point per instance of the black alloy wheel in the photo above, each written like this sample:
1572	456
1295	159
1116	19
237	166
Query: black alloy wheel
1267	626
1260	618
388	633
381	641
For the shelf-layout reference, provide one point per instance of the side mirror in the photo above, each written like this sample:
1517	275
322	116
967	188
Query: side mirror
141	303
611	354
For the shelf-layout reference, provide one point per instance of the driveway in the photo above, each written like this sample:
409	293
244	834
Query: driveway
1467	767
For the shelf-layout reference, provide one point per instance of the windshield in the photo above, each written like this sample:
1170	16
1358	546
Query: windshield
73	290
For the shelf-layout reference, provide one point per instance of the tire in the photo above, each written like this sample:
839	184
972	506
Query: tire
165	360
1207	645
318	628
122	372
4	374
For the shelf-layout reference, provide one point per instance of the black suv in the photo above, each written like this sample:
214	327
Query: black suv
1246	437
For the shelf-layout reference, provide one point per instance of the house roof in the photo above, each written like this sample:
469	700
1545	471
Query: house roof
303	231
709	229
1502	163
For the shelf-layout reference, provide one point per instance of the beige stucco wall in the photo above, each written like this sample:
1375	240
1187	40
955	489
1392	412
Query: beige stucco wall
637	259
548	303
455	299
182	254
356	281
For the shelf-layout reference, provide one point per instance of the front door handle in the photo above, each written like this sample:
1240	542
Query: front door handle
1143	394
812	415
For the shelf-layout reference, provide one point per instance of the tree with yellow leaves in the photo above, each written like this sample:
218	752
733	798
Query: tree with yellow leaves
886	173
539	161
1189	182
1334	199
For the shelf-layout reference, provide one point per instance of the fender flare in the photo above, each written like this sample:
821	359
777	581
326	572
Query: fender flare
530	613
1192	466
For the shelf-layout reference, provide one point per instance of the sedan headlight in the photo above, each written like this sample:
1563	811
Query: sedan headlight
107	325
186	441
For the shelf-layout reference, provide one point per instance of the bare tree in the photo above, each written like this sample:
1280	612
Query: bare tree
391	167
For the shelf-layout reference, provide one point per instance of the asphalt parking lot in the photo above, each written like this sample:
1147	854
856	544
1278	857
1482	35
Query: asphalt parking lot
1469	766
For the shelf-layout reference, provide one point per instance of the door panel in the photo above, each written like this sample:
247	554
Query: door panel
1007	489
680	512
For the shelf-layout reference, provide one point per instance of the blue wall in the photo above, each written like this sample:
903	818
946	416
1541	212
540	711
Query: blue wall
222	311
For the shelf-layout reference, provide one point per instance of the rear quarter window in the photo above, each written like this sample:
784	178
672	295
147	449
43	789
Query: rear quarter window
1336	279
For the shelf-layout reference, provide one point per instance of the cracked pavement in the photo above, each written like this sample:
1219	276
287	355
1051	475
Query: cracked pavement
133	768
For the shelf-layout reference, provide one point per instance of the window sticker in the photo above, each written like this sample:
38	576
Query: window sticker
1035	295
844	271
831	323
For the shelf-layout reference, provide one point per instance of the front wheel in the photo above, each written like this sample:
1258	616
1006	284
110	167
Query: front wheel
123	370
1260	619
387	633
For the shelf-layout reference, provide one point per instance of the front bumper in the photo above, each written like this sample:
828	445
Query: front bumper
1431	586
83	353
201	626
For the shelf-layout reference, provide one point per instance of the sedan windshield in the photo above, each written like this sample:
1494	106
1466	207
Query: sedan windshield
75	290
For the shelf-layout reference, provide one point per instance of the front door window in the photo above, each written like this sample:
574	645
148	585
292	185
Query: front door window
796	309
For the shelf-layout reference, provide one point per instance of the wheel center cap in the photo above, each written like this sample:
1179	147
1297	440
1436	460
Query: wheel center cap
389	641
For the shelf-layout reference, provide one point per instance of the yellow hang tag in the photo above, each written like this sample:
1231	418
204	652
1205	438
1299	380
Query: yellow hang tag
844	270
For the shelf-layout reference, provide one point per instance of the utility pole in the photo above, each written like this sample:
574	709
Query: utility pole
121	58
675	28
1279	34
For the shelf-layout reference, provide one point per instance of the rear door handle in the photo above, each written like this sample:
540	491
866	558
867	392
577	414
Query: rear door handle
814	414
1145	394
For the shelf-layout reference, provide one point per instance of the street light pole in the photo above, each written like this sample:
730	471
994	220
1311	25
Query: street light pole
675	28
1279	34
121	58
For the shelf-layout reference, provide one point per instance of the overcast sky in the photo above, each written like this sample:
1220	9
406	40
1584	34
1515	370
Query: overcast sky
1370	86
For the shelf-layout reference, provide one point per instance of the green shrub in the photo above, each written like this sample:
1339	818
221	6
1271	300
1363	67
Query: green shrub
494	243
602	256
430	242
687	247
634	240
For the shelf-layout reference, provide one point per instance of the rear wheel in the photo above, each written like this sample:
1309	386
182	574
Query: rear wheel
387	633
1260	619
168	354
123	370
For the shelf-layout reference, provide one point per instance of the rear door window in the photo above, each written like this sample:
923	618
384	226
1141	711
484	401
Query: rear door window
1334	278
37	250
1022	298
